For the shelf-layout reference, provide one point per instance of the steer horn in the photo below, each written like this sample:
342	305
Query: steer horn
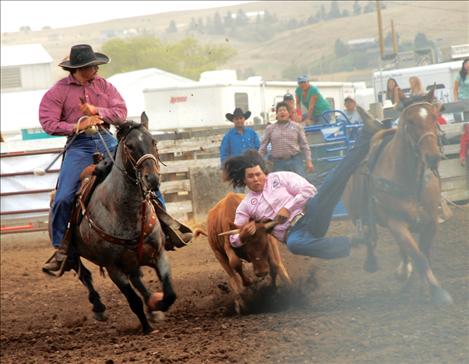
230	232
270	224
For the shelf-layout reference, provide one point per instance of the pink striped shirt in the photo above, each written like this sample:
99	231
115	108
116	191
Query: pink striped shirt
59	110
287	139
282	189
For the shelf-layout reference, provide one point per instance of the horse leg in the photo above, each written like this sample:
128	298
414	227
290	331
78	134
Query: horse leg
85	277
149	298
122	281
405	239
163	270
371	262
404	270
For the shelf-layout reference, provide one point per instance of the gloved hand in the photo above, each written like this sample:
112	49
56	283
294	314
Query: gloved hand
282	215
87	122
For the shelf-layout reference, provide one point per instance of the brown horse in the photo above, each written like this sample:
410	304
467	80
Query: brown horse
398	187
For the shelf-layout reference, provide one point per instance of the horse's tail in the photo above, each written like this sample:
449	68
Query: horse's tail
198	232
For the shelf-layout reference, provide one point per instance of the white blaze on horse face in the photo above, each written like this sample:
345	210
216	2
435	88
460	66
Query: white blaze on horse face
140	138
423	113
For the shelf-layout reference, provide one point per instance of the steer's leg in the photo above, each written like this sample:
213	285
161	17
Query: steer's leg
120	280
277	258
234	279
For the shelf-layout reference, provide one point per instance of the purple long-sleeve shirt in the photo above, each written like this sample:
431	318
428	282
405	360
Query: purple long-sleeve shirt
281	189
59	110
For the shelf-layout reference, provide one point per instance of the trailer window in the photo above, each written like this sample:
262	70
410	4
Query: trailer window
241	100
439	86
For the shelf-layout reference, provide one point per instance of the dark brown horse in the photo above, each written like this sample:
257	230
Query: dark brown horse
398	187
119	230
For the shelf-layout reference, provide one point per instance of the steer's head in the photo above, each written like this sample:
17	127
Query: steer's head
256	247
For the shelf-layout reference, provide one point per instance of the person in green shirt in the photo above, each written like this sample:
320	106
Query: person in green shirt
310	102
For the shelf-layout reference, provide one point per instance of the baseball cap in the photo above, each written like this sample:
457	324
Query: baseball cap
288	96
302	78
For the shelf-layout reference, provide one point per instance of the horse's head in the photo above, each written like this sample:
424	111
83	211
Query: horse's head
139	154
418	121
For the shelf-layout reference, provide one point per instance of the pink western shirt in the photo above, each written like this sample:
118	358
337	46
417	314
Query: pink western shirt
282	189
59	110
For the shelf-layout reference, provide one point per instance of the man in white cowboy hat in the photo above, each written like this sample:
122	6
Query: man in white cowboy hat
239	138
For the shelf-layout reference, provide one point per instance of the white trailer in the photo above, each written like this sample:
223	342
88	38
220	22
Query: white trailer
443	74
205	104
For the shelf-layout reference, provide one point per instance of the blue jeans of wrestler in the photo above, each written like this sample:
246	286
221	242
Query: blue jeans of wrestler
78	156
307	237
294	164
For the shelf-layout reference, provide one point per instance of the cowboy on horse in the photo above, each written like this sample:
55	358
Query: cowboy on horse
82	107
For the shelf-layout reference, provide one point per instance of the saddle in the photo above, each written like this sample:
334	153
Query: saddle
178	235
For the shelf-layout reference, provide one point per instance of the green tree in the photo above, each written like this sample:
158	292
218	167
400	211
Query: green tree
335	11
341	49
172	28
186	57
357	9
421	41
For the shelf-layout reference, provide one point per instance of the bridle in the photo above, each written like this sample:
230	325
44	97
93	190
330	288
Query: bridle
415	145
148	196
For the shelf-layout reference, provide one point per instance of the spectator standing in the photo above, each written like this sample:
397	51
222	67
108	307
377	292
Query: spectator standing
416	88
351	111
310	103
461	84
239	138
464	146
290	148
295	113
438	108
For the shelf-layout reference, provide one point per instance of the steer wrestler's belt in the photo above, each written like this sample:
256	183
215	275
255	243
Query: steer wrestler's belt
293	222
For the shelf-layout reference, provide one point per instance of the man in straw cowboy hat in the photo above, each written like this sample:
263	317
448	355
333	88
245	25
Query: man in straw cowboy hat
75	103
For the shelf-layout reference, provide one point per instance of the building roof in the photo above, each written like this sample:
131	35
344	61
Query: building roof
26	101
23	54
131	85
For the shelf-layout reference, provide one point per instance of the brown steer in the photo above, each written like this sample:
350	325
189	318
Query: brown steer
260	249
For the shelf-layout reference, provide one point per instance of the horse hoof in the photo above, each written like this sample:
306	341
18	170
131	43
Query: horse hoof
154	300
371	265
441	297
100	316
155	316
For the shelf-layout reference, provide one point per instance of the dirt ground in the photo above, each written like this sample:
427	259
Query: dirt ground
334	313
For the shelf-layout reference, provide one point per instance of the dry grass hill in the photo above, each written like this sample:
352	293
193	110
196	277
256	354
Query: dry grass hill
445	23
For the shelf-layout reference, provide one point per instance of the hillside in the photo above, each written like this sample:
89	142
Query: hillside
445	23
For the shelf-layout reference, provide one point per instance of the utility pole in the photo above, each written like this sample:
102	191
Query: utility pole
380	29
395	49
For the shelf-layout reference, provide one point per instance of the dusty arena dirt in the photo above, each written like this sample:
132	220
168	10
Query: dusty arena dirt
334	313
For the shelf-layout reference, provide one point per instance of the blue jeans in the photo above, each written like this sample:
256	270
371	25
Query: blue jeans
307	237
77	157
295	164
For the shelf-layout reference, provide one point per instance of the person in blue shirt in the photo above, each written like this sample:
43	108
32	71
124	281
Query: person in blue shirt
238	139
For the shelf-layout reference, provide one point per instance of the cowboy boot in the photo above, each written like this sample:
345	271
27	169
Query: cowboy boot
58	260
178	234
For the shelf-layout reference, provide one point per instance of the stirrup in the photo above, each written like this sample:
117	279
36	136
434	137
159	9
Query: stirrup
61	269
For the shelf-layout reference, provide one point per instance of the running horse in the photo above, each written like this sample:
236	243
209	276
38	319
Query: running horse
398	187
119	229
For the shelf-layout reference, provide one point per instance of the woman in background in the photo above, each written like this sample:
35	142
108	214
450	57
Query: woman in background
393	92
461	84
416	88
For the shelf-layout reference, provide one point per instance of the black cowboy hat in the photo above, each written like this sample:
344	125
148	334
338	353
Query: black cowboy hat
238	112
82	55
